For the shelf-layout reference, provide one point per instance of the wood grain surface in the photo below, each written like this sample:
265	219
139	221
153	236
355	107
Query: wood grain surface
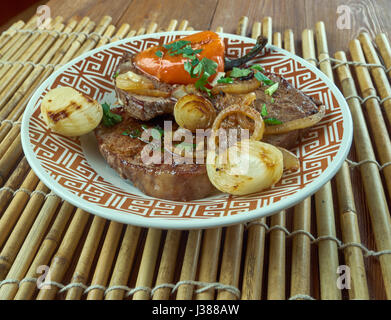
366	15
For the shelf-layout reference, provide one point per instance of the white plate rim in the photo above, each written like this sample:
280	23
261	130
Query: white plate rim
194	223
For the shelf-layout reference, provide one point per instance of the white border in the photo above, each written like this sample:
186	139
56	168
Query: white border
192	223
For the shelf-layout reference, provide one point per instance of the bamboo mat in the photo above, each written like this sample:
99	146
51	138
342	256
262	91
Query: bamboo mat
299	253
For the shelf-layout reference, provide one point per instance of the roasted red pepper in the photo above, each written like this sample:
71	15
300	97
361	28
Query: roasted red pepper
170	68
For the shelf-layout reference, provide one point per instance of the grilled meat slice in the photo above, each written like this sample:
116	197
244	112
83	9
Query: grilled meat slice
143	107
179	182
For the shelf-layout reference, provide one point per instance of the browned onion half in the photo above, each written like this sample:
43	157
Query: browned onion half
194	112
297	124
247	111
240	87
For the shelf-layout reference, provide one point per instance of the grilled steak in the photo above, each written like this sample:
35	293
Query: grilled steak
179	182
143	107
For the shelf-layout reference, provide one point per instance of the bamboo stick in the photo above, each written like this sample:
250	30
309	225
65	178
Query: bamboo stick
276	275
106	35
183	25
42	258
85	260
189	266
381	221
60	262
18	266
219	29
172	25
253	264
369	171
383	88
327	249
148	263
351	234
167	268
13	182
230	264
242	26
151	27
385	50
301	244
10	157
131	33
308	46
140	31
17	41
301	249
90	247
375	118
11	32
209	261
289	41
16	207
15	106
14	75
106	258
92	41
267	29
256	30
125	260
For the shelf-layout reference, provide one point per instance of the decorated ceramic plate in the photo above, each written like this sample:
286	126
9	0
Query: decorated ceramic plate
74	169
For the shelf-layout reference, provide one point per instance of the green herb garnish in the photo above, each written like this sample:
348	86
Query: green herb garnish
272	100
262	78
159	53
272	121
115	75
225	80
239	73
175	47
273	88
109	118
257	67
264	111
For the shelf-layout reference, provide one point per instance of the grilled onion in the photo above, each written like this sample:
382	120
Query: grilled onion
246	167
244	110
296	124
138	84
291	163
194	112
69	112
243	86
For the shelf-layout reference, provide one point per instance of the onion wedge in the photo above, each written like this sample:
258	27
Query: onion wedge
239	87
290	161
296	124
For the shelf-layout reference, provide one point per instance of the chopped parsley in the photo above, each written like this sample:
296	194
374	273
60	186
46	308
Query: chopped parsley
136	133
273	88
225	80
115	75
159	53
257	67
109	118
269	121
176	47
272	121
262	78
239	73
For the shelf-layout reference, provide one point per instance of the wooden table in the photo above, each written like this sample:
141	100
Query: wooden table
298	15
369	15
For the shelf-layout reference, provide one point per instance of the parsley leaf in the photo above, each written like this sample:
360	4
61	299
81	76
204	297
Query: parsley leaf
262	78
239	73
264	111
225	80
272	121
115	75
273	88
257	67
159	53
175	47
109	118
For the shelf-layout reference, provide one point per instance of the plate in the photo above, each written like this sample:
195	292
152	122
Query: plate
74	169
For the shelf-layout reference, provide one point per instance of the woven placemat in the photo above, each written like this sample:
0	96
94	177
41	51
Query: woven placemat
334	245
